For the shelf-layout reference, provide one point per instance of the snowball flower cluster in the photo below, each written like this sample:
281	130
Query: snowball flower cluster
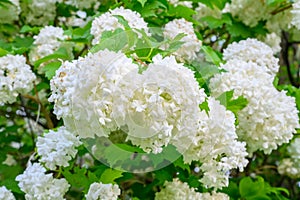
248	12
291	166
204	11
191	44
296	14
216	146
84	95
156	107
46	42
178	190
108	22
56	148
270	118
10	12
38	185
6	194
255	51
103	191
273	40
16	77
40	12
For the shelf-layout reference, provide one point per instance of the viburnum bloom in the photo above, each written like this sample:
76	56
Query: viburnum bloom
47	42
6	194
273	40
155	107
9	11
100	191
291	166
255	51
84	95
108	22
36	184
56	148
296	14
215	145
177	190
16	77
248	12
270	118
191	44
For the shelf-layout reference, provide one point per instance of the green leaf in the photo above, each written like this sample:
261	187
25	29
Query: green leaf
61	53
110	175
182	12
51	68
78	178
234	105
179	163
142	2
3	52
211	55
29	29
213	22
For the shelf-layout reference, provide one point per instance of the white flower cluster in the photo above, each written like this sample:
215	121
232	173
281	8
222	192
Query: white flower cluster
270	118
280	21
6	194
291	166
10	12
216	146
191	43
16	77
83	95
254	51
156	108
248	12
204	11
296	14
273	40
40	12
38	185
100	191
46	42
56	148
177	190
79	19
188	4
83	4
108	22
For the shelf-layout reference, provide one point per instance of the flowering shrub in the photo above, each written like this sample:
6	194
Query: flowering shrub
149	99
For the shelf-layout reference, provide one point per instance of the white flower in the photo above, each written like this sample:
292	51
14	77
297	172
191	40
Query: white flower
188	4
86	4
107	22
6	194
255	51
38	185
280	21
16	77
296	14
177	190
270	118
46	42
100	191
215	145
155	107
204	11
248	12
85	94
10	12
40	12
273	40
56	148
191	43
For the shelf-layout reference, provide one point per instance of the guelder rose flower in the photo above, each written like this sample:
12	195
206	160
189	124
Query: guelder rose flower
103	192
255	51
215	145
177	190
10	12
6	194
16	77
270	118
108	22
155	107
84	95
56	148
296	14
191	43
38	185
